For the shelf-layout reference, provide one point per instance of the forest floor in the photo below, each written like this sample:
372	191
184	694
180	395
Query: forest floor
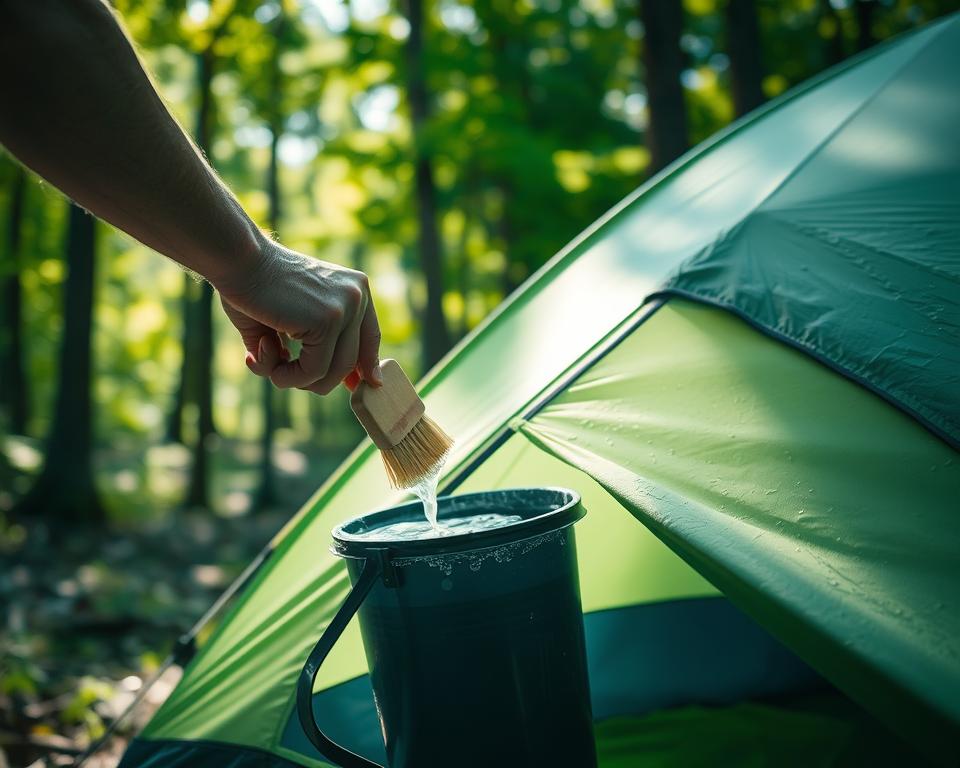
88	618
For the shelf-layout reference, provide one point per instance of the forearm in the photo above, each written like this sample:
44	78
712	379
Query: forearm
77	107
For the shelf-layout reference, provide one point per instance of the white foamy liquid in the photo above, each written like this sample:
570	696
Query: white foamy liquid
426	491
425	529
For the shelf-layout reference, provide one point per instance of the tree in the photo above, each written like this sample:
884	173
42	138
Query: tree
436	337
13	386
834	49
202	330
65	489
663	62
743	47
865	10
266	493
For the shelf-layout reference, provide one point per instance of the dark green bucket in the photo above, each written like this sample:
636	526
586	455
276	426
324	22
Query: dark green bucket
474	641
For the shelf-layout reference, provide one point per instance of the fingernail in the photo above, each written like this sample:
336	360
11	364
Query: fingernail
251	360
352	380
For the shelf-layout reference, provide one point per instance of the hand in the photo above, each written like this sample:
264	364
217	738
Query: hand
326	307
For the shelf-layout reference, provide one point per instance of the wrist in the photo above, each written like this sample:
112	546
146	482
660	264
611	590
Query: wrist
248	265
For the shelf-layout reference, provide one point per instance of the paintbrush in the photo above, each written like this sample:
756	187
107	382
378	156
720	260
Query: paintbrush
412	445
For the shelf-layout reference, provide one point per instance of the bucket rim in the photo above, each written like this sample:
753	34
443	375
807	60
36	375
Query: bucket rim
561	507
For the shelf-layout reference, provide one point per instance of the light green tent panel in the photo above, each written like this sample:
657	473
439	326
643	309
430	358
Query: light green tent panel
823	512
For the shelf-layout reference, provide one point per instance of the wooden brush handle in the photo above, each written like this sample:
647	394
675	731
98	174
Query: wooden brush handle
389	412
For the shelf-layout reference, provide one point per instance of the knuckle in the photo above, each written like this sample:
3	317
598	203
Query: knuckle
354	296
332	318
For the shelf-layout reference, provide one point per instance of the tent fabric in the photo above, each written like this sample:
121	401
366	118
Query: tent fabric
803	732
856	256
800	731
641	659
760	469
238	690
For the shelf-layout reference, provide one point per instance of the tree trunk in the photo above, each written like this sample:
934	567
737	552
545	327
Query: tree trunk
663	62
504	233
175	418
436	338
65	490
463	273
202	325
833	50
865	12
13	385
743	47
198	491
266	494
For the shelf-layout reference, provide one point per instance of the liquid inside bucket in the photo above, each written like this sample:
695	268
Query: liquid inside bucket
424	529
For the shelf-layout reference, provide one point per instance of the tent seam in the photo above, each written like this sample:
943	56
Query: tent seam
904	405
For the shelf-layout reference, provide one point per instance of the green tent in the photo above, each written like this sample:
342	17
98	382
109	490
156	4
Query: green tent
750	369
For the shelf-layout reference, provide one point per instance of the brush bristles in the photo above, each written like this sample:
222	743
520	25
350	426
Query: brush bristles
418	455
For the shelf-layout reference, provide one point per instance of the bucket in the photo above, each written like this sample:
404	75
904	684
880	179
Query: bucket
474	640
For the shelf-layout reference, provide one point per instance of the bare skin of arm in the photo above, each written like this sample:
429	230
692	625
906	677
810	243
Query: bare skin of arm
78	108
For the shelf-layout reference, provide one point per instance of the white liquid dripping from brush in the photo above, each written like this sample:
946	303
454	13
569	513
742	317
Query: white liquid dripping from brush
426	491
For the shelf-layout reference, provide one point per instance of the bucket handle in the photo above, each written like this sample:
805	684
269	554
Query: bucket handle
373	568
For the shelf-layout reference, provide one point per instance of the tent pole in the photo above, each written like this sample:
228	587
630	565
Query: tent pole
566	379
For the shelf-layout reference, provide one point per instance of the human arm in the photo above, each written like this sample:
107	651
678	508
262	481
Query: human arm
77	107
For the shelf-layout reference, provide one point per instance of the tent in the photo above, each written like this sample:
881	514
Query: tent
750	369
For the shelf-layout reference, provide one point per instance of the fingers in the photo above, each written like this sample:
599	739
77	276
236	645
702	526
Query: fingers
344	359
368	356
264	346
330	311
251	331
270	352
316	356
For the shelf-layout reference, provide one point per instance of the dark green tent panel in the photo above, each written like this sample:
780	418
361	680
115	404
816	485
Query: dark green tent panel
855	257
